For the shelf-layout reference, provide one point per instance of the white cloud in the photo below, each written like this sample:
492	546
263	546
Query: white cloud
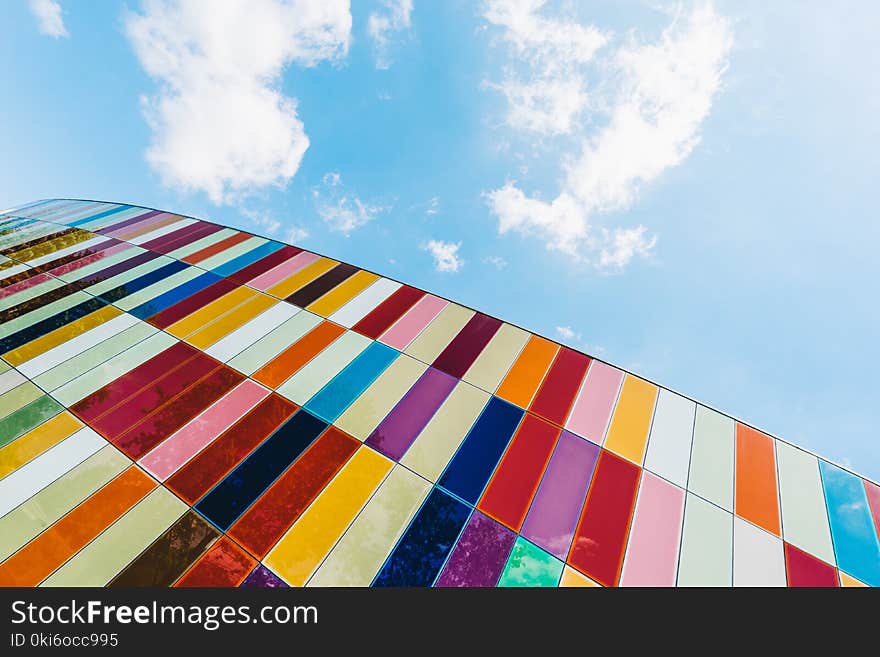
49	19
295	234
433	206
567	334
623	244
655	97
445	255
270	225
262	219
220	121
395	16
496	261
545	89
340	209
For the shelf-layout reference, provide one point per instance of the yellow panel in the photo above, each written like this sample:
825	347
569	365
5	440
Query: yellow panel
304	546
60	335
850	582
231	321
36	441
342	293
572	578
50	246
206	314
628	434
304	276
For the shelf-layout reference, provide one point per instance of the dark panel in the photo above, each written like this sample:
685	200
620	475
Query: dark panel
421	551
322	285
170	555
232	496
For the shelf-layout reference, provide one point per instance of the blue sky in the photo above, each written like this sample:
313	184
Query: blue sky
684	190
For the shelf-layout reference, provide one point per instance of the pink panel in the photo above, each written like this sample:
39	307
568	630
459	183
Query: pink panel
405	329
24	285
652	555
280	272
593	406
873	491
180	447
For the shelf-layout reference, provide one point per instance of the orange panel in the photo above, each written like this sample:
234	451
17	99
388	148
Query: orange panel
48	551
527	372
214	249
756	491
285	364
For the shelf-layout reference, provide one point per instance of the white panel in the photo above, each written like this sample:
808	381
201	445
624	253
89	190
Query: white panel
804	516
12	271
57	355
318	372
712	458
758	559
706	557
669	445
34	476
247	334
9	380
359	307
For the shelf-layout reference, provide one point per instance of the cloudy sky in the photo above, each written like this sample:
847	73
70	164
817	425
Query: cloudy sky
686	190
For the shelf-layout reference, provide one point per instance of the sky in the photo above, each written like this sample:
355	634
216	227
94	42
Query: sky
682	189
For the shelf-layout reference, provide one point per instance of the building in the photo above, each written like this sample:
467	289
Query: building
183	403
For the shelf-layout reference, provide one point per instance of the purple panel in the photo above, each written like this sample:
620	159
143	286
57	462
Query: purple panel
400	427
262	578
128	222
557	505
480	554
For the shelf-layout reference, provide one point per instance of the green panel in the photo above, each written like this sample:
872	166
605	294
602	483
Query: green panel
25	419
529	565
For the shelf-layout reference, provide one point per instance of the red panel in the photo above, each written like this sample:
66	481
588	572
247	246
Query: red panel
600	539
185	235
149	398
459	354
153	429
806	570
510	492
556	395
211	464
264	264
115	392
388	312
225	564
272	515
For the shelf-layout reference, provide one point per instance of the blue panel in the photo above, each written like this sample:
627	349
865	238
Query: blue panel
856	545
49	324
331	400
139	283
100	215
169	298
242	261
13	224
241	487
423	548
473	464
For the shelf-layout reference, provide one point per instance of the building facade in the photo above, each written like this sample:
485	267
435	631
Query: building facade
187	404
